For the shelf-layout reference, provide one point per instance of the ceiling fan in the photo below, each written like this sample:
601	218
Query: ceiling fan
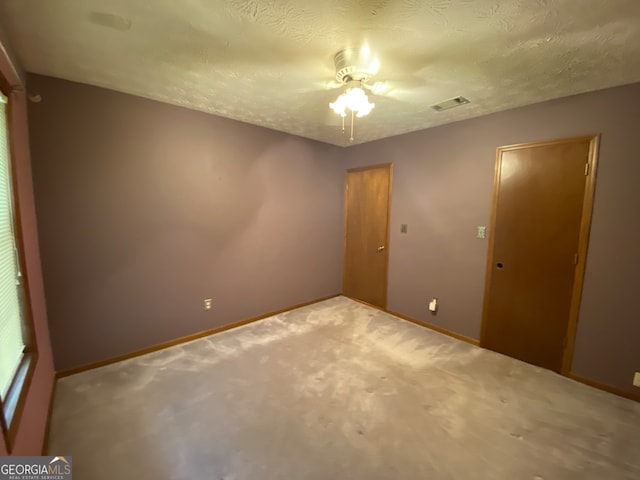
354	68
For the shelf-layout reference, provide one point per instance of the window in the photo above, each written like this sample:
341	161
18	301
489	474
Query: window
17	358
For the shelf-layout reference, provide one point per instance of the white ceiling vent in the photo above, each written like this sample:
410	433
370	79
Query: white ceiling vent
447	104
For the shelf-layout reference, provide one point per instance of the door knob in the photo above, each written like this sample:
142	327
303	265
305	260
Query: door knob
381	248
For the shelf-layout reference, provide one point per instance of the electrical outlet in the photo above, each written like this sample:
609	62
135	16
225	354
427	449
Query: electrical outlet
207	304
636	379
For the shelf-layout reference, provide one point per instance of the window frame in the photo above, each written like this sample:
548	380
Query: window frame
12	406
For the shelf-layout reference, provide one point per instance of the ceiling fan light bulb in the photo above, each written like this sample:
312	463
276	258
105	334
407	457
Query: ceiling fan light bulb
339	106
365	110
355	98
357	101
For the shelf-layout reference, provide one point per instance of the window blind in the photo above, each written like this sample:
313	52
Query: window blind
11	340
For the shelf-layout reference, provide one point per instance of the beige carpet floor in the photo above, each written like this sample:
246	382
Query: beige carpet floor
334	391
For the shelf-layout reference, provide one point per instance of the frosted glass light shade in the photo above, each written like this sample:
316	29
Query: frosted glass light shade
353	99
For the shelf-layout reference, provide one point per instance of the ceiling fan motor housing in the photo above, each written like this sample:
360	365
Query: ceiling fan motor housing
353	64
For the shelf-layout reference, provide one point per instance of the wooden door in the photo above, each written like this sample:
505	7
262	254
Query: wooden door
538	243
366	245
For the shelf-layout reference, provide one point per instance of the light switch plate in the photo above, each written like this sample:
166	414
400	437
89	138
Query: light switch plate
481	232
403	228
433	305
636	379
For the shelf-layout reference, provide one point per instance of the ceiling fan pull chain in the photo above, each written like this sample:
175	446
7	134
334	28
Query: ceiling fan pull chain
351	139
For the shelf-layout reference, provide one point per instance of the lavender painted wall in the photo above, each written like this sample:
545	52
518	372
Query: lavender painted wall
145	209
30	433
443	180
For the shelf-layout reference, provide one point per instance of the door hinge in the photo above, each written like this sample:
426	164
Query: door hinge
586	169
575	259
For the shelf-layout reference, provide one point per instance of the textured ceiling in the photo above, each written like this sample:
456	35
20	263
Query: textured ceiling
270	63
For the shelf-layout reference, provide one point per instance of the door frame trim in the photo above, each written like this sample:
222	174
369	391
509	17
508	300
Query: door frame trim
583	248
388	166
583	239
